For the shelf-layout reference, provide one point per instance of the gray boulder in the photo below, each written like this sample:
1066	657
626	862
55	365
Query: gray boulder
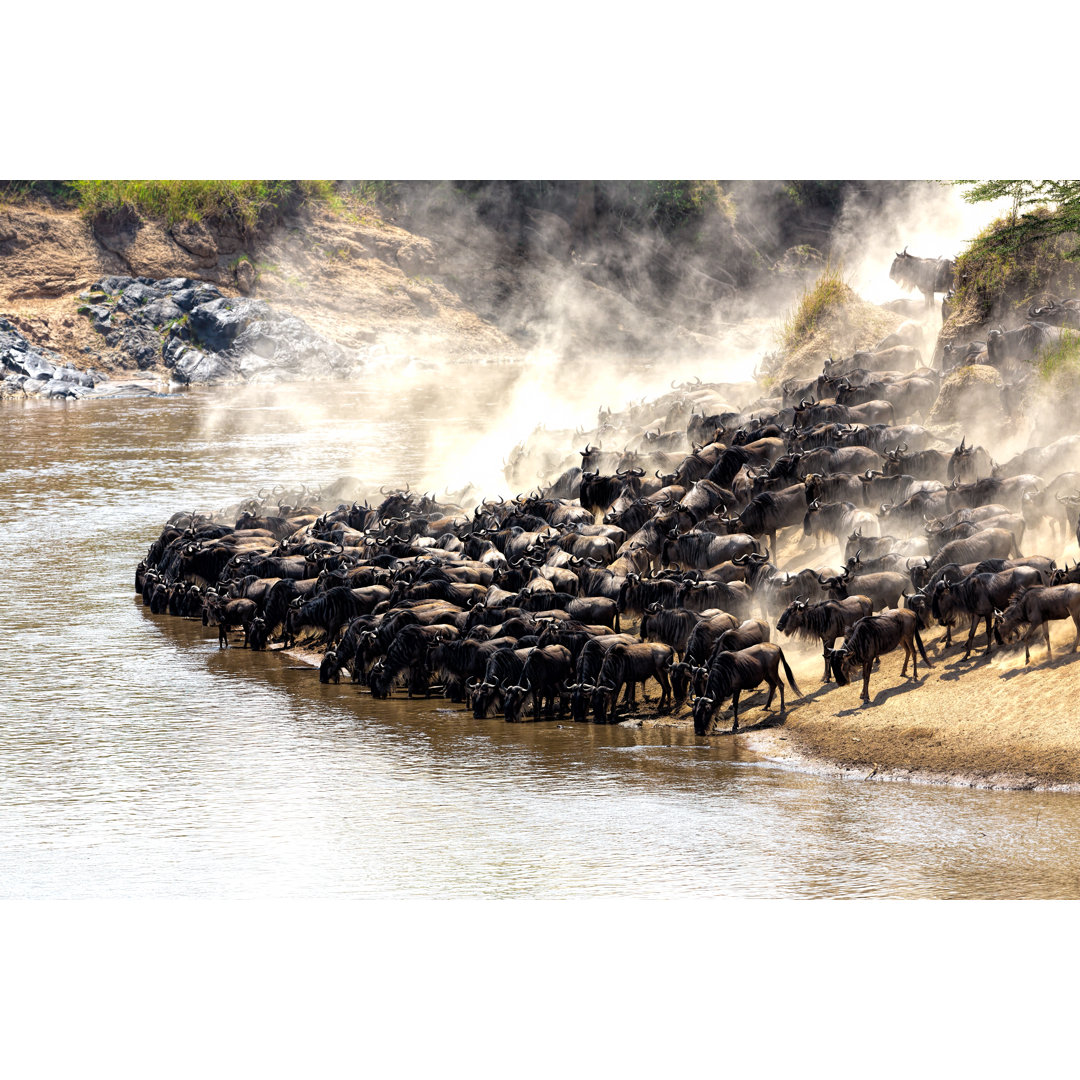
217	324
194	366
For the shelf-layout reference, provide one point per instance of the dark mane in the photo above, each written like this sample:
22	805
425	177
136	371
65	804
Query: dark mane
813	621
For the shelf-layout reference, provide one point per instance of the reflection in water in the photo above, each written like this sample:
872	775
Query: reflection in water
139	760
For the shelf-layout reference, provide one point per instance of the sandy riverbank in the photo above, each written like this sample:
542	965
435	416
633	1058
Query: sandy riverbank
975	723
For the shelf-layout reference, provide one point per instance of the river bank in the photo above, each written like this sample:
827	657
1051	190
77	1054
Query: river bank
996	725
925	732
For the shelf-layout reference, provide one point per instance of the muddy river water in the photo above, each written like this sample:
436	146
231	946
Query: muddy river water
137	760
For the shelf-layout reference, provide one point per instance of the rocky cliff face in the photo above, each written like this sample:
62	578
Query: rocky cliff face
316	296
318	293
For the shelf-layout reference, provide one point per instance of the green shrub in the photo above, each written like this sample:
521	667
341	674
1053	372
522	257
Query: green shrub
1016	261
1063	357
194	200
61	192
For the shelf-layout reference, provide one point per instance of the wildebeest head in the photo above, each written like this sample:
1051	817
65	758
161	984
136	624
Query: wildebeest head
790	616
1007	622
917	602
514	700
840	661
380	681
704	709
687	677
330	669
257	634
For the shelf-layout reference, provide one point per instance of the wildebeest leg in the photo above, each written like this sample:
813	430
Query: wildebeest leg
665	687
735	708
1046	635
971	635
1028	638
866	669
908	651
827	647
988	632
772	689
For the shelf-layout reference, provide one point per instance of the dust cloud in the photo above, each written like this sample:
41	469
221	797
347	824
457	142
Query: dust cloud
601	327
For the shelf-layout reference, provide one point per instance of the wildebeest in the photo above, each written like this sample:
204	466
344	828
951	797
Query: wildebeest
921	464
598	492
503	670
697	550
1022	344
875	636
761	452
730	673
410	649
699	648
334	609
627	665
825	621
589	662
837	520
672	626
929	276
543	676
986	544
980	596
884	588
1037	607
969	464
769	512
1056	313
228	614
747	633
458	662
1009	492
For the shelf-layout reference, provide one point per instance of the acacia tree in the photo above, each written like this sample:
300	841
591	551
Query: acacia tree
1061	195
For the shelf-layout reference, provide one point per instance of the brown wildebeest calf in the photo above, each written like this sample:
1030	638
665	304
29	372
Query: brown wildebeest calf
1038	606
875	636
733	672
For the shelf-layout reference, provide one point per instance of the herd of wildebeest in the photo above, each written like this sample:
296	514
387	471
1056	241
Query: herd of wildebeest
661	560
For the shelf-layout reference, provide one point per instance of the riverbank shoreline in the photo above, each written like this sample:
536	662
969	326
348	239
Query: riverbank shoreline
829	733
788	752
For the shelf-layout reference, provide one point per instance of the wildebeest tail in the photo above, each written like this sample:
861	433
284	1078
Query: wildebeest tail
787	671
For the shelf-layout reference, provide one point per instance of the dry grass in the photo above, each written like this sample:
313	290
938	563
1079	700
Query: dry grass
828	320
829	292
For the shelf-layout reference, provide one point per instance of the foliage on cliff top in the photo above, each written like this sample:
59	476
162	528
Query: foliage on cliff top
194	200
1007	267
1063	196
1016	261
